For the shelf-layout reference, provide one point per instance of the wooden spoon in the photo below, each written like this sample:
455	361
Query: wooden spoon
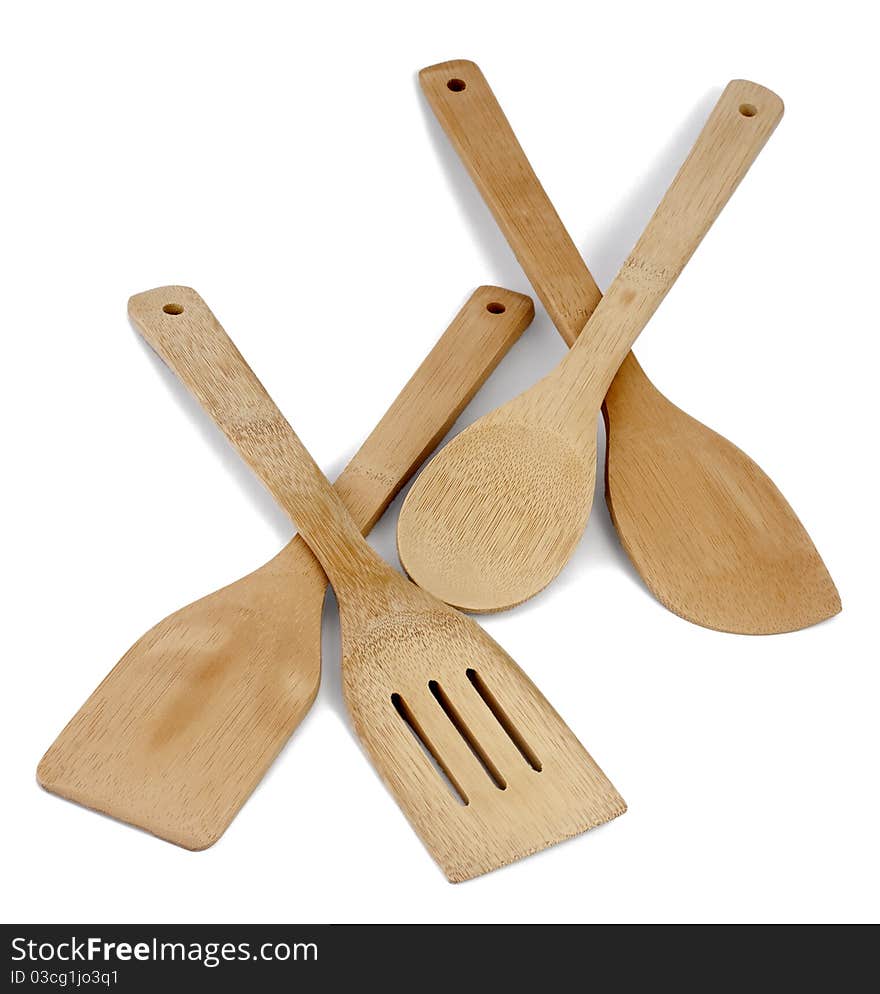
710	534
482	766
184	727
496	515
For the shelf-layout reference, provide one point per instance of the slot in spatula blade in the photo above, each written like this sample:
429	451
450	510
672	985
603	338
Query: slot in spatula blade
479	761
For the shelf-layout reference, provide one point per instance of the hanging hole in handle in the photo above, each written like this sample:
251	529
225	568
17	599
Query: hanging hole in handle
173	308
748	110
456	85
495	307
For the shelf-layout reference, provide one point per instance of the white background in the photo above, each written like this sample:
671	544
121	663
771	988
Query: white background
281	159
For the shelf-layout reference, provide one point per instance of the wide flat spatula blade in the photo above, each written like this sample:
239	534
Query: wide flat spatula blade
179	733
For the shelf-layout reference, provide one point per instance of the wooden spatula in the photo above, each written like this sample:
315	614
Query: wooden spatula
480	763
497	513
712	537
183	728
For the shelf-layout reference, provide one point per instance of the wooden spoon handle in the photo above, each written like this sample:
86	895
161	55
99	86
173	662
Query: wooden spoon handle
738	128
476	126
181	328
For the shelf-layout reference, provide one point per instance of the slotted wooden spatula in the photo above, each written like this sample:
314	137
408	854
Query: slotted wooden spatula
478	760
184	727
710	534
497	513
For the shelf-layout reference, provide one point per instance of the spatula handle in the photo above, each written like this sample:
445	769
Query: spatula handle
181	328
454	370
472	118
738	128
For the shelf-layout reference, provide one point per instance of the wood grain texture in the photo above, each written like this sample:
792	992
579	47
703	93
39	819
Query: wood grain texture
709	533
496	515
184	727
480	133
420	680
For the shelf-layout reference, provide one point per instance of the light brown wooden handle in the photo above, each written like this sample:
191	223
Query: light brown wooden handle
738	128
471	347
181	328
472	118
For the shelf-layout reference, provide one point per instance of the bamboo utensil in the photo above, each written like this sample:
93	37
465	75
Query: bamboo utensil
710	534
480	763
496	514
184	727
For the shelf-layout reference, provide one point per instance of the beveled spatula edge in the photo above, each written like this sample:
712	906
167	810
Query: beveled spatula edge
197	839
458	875
795	621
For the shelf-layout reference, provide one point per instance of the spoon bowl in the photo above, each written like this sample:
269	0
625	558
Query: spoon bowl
533	485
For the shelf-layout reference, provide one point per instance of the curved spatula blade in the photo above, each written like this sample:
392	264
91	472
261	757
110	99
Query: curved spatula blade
680	494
